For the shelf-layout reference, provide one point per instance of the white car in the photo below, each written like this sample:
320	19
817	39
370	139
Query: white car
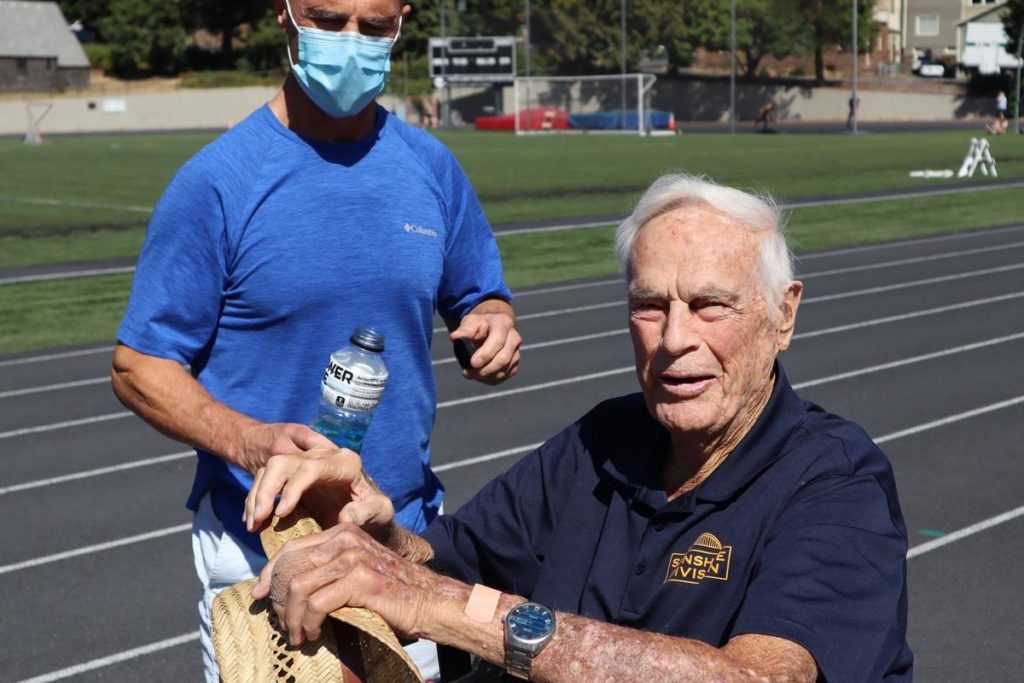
932	69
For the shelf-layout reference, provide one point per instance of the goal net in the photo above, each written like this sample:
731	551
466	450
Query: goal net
608	104
34	114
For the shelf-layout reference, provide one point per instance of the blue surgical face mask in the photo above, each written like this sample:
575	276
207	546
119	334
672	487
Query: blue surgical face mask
341	72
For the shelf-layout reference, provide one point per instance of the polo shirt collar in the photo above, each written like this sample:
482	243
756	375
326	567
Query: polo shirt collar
761	446
636	462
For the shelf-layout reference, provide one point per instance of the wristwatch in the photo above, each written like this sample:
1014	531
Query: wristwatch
528	628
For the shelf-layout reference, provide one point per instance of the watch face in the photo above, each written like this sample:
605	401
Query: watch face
531	622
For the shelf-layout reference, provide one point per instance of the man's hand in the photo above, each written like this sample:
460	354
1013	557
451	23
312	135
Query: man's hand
331	485
343	566
491	326
259	441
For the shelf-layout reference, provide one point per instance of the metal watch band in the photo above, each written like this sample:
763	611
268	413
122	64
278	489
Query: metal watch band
518	663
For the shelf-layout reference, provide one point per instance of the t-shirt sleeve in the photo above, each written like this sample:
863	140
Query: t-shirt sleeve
472	266
832	577
179	279
498	537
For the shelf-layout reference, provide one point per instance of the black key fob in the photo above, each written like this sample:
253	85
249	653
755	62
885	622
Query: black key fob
464	350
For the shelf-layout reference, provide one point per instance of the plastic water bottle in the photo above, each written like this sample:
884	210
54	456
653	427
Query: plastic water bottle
353	382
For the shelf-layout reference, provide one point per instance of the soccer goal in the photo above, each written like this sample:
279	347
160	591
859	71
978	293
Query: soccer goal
606	104
35	112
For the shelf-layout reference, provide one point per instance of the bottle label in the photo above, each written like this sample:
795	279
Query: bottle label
345	387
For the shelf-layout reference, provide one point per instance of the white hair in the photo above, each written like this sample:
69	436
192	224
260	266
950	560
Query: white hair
756	213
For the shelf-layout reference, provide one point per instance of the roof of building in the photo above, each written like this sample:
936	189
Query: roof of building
38	29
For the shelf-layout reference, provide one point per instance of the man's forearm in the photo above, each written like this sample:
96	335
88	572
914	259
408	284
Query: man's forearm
585	649
164	394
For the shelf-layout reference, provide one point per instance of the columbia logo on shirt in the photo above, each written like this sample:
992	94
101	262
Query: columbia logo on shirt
409	227
707	558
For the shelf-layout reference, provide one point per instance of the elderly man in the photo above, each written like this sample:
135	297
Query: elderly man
713	527
318	213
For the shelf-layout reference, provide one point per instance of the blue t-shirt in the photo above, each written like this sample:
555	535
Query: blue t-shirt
267	250
797	534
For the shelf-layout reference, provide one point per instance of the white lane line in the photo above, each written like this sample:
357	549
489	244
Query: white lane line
96	472
535	387
916	259
487	458
961	534
42	358
842	251
907	316
554	342
54	387
913	283
114	659
942	422
44	201
568	288
908	361
484	397
561	311
99	547
823	254
64	425
66	275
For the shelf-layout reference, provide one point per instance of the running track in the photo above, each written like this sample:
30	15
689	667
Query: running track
921	342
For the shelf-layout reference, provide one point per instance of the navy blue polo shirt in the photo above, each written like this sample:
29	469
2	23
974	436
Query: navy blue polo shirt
797	534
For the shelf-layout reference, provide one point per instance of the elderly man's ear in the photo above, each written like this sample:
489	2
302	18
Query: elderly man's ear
787	321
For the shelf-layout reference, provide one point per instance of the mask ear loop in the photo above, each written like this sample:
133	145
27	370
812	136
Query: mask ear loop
288	45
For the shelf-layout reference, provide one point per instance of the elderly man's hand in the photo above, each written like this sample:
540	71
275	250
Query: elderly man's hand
331	484
315	575
491	327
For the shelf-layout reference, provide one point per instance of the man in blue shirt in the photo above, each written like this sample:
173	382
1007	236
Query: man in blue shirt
713	527
319	213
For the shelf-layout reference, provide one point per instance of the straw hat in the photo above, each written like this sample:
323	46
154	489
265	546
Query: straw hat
357	645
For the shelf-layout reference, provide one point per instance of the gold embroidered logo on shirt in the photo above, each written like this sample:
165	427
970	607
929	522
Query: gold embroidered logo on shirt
707	558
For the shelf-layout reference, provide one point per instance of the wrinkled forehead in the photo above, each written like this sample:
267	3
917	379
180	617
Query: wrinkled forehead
691	236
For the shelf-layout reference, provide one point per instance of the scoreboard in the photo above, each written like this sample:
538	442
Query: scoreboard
473	60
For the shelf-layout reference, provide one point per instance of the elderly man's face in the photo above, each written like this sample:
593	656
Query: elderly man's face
702	334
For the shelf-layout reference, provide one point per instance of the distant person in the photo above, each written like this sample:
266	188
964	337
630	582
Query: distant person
999	125
714	527
1001	103
318	213
854	106
765	115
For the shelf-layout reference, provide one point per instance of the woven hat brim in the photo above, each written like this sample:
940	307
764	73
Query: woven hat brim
384	657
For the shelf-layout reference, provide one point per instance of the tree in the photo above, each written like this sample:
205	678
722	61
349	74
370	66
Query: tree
145	37
224	17
830	23
1013	24
89	12
768	27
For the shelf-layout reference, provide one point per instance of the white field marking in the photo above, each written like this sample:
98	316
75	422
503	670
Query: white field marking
487	458
44	201
914	283
803	335
54	387
536	387
64	425
114	658
961	534
907	361
790	206
822	254
42	358
553	342
96	472
561	311
907	316
910	431
90	549
916	259
45	277
842	251
501	454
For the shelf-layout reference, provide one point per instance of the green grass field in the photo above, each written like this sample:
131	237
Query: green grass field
87	198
